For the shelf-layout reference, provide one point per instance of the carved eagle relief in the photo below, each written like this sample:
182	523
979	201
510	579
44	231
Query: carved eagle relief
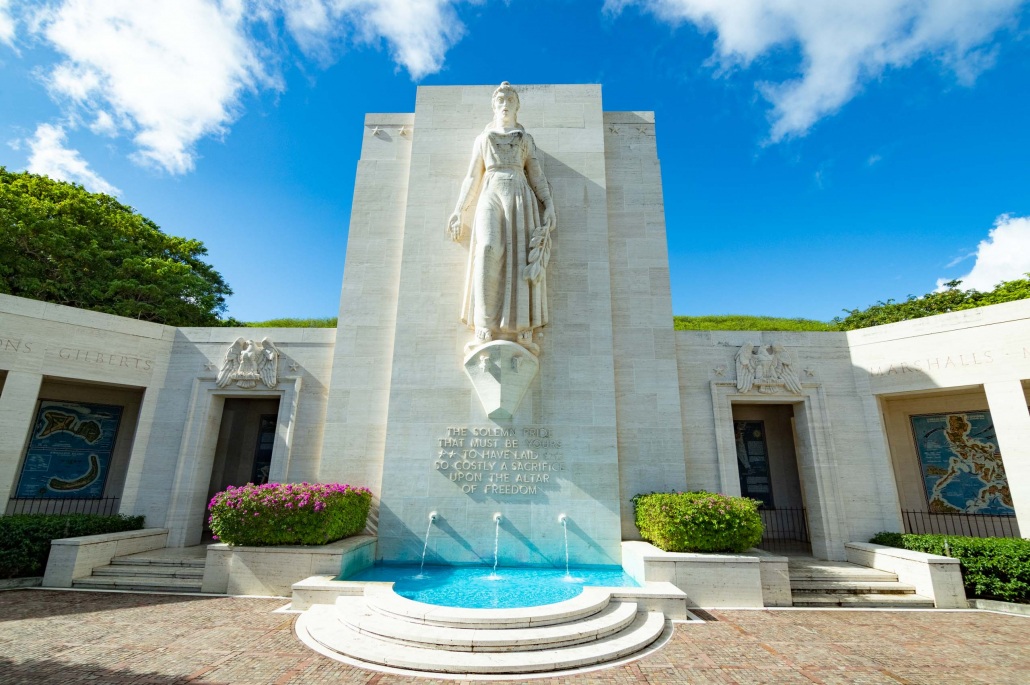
247	362
767	368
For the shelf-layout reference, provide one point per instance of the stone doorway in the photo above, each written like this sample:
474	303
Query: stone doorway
243	451
767	466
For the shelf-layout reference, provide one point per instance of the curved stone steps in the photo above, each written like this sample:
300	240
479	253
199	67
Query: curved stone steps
323	624
382	599
356	615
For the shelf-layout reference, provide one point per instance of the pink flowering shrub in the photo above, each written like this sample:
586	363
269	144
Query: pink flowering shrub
288	513
698	521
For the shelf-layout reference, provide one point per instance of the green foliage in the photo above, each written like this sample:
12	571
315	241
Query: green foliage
993	568
288	513
25	538
889	539
62	244
698	521
328	322
742	322
952	299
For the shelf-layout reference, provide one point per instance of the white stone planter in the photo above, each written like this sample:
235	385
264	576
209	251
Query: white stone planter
273	570
712	580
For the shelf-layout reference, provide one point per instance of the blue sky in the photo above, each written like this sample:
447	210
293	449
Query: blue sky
815	156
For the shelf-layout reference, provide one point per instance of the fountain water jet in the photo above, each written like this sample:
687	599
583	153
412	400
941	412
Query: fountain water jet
497	534
564	521
425	545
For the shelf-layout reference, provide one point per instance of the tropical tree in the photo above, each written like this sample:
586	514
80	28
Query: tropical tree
62	244
951	299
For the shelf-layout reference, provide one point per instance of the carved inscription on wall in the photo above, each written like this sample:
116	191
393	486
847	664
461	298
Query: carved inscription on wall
94	357
75	355
933	364
15	345
489	460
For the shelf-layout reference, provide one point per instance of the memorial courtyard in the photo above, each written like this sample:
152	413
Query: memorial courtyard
86	637
507	398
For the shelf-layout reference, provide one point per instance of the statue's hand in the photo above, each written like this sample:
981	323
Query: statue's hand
454	227
550	219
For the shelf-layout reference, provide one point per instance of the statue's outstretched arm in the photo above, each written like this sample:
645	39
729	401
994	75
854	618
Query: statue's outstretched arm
469	192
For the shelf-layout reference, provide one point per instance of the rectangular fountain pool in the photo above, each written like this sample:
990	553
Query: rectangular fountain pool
479	587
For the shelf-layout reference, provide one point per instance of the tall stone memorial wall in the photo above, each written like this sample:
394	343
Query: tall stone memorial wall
425	408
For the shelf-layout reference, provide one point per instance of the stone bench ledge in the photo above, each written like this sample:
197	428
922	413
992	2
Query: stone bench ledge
339	547
110	537
648	552
899	553
934	576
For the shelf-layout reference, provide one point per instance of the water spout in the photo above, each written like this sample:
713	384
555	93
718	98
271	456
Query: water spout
564	521
425	545
497	535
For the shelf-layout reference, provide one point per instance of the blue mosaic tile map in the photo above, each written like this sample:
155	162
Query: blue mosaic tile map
69	454
961	464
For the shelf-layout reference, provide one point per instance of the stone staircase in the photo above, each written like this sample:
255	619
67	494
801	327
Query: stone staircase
163	570
381	628
818	583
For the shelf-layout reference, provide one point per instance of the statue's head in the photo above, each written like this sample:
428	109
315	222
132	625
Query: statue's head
505	98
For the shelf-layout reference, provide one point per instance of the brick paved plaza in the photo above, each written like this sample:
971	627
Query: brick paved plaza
73	637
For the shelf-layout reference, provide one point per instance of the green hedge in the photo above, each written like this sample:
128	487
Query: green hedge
698	521
992	568
288	513
25	538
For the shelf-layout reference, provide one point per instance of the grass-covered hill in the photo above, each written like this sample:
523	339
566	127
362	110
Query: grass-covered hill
951	299
743	322
328	322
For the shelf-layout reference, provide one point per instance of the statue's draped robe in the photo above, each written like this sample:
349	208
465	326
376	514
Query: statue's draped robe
507	211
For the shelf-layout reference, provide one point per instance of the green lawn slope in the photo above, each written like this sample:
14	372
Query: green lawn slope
328	322
741	322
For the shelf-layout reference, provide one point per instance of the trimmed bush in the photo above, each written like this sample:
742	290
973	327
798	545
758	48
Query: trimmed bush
698	521
25	538
288	513
992	568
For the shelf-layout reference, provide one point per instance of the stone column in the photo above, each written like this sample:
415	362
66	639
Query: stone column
17	411
140	443
1008	406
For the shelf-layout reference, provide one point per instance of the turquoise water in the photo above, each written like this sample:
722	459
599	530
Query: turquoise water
476	587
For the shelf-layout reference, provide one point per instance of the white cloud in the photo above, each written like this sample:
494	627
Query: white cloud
172	70
169	73
1003	256
419	32
49	156
6	23
843	43
104	124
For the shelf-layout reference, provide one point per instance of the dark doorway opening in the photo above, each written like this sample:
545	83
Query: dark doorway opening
768	468
246	436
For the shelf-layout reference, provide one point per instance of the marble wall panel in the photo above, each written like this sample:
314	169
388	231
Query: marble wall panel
650	439
574	391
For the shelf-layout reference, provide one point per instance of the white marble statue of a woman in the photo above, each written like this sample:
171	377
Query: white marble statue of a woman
510	245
